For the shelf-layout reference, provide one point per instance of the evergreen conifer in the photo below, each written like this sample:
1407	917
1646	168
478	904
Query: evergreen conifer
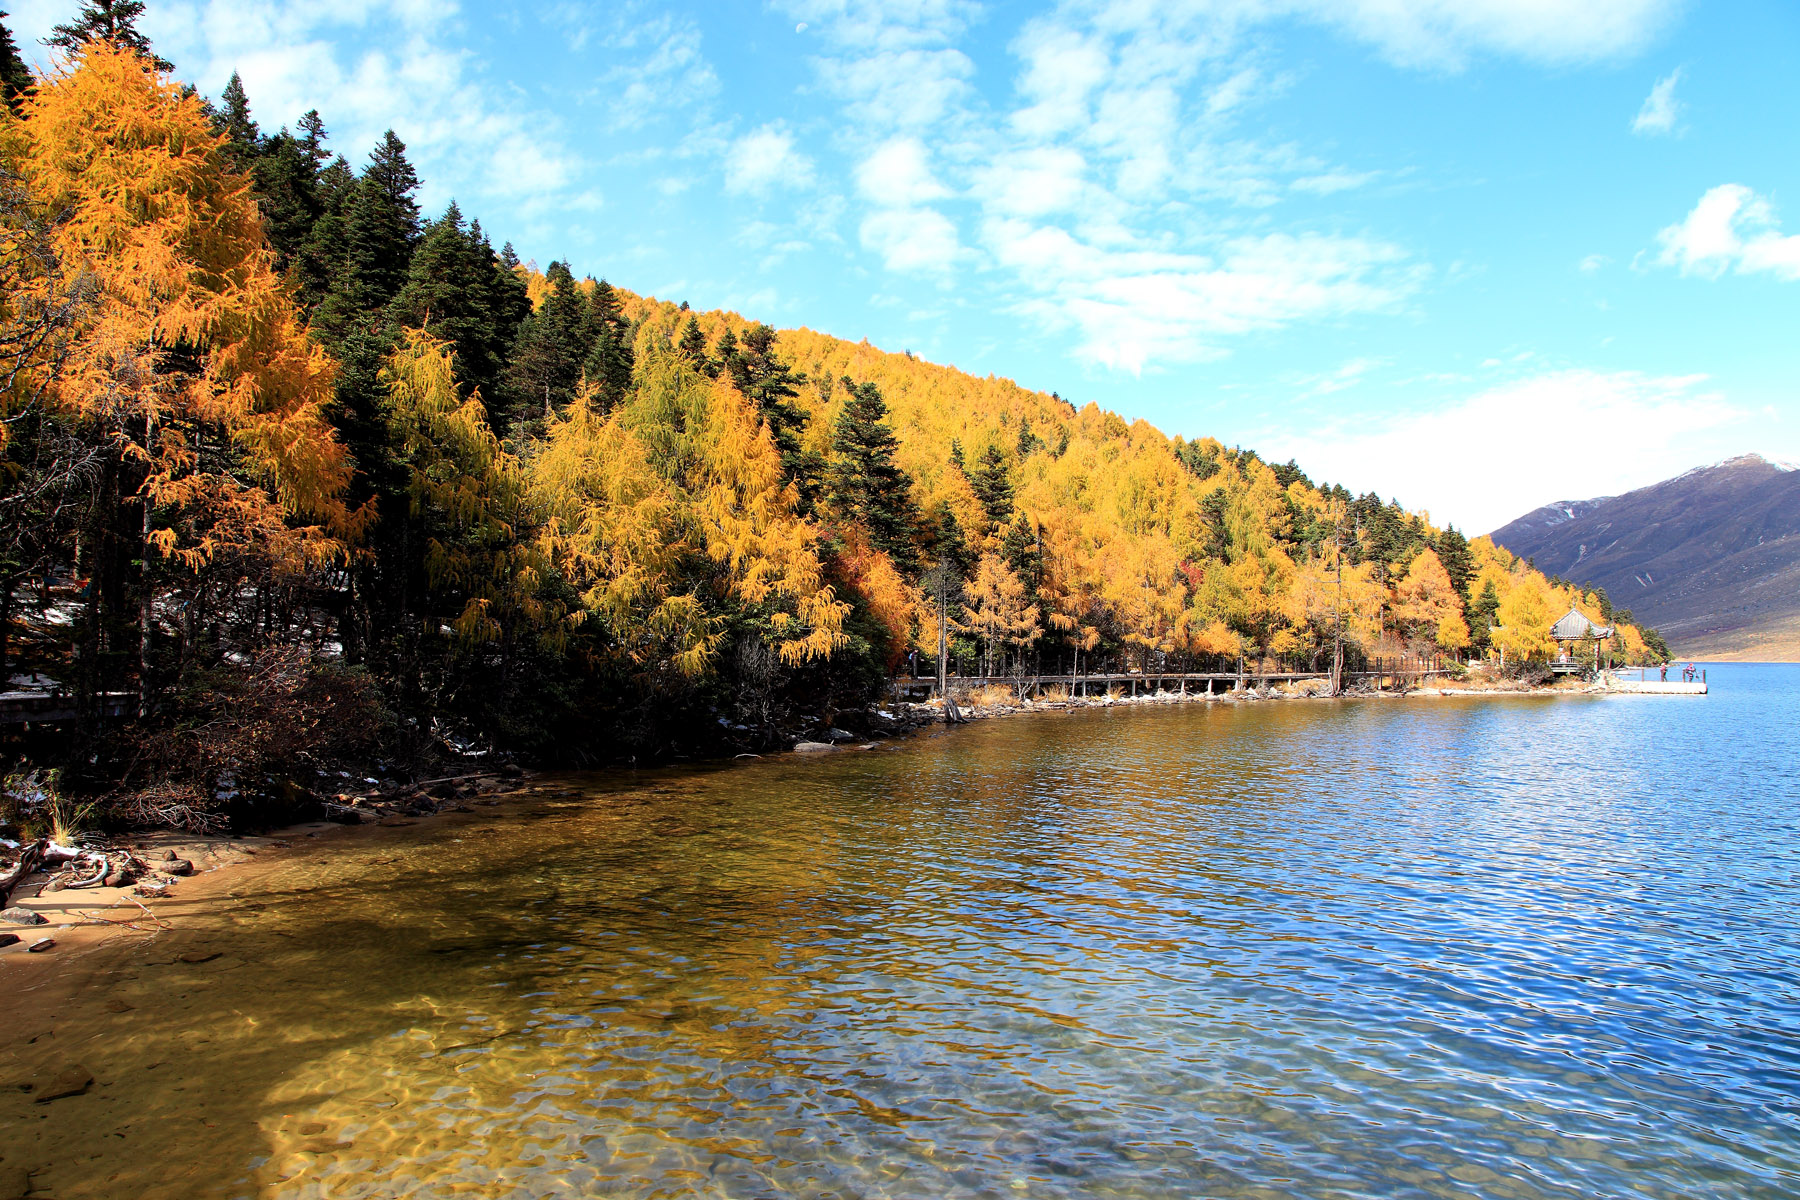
1453	551
864	481
551	349
112	21
693	346
457	291
243	140
15	76
609	364
993	486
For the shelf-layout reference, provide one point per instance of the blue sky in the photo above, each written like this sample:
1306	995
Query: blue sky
1478	254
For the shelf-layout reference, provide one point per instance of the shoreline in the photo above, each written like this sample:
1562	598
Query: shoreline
81	922
932	710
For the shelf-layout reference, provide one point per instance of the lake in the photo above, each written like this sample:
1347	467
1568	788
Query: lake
1525	947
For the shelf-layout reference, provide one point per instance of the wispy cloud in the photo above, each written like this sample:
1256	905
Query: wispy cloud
1730	229
910	236
898	174
912	239
1482	461
1133	306
369	65
1114	193
1346	376
1657	116
1445	34
662	68
766	159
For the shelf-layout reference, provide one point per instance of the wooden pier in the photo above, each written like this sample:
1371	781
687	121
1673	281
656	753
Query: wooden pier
1383	674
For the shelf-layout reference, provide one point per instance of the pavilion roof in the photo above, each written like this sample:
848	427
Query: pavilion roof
1575	627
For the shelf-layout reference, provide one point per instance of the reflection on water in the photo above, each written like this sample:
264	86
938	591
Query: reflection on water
1436	948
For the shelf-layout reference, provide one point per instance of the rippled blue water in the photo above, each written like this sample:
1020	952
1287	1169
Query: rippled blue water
1424	948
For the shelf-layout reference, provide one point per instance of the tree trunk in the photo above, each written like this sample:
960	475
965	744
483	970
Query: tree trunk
146	605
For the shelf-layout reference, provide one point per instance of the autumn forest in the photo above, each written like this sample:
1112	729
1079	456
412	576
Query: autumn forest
287	459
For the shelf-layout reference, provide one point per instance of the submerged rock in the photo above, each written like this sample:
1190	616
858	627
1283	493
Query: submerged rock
23	916
812	747
71	1081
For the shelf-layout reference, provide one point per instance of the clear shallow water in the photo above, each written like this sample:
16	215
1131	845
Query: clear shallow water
1435	948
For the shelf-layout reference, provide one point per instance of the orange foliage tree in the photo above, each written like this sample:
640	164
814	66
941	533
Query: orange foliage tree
190	365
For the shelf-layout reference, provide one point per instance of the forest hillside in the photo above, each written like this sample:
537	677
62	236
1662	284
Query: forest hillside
296	475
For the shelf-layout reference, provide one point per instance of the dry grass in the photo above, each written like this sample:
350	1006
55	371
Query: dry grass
991	696
1054	694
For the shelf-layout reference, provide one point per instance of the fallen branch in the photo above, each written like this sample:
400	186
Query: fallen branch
100	872
458	778
29	859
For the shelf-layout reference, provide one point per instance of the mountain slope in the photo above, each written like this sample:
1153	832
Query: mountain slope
1710	558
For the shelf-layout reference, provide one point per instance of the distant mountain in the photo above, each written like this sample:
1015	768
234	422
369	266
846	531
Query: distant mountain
1710	558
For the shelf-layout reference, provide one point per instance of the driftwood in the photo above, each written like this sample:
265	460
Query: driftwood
951	715
29	859
44	854
101	869
423	783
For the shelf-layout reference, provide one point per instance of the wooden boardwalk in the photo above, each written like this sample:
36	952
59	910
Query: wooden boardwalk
55	708
1384	675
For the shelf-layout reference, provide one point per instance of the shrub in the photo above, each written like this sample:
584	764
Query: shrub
243	737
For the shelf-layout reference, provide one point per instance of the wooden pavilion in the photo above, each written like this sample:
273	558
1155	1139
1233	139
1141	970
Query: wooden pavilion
1569	633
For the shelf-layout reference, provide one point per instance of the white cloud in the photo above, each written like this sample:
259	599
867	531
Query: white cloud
1660	107
1592	263
910	236
766	159
366	65
1444	34
912	239
1329	183
670	74
1134	306
1038	182
1560	435
1730	228
898	174
1343	378
892	60
1063	67
900	89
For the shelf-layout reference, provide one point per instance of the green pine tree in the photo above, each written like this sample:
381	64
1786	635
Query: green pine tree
287	191
993	486
1453	551
865	483
1481	616
15	76
774	387
1029	442
457	290
320	258
243	140
1023	550
112	21
552	347
693	347
609	364
945	542
380	230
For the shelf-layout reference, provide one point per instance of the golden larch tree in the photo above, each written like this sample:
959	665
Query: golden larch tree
190	363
